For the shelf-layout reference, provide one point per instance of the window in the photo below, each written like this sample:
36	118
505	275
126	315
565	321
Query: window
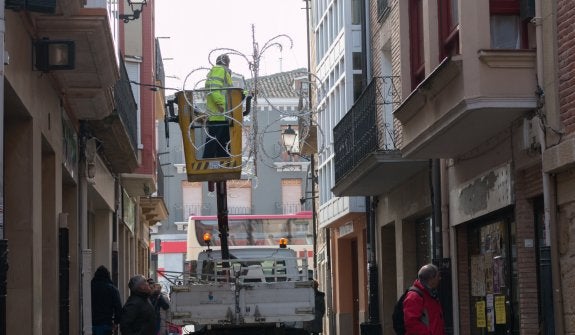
291	195
239	197
356	11
448	28
416	42
191	199
356	60
508	31
357	86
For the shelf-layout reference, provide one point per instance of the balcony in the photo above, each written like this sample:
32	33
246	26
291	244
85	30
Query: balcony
154	209
466	101
198	209
118	131
292	207
367	161
87	88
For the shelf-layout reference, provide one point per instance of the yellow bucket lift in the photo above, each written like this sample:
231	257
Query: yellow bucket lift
209	158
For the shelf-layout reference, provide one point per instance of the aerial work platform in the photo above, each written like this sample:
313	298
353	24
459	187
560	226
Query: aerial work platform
211	153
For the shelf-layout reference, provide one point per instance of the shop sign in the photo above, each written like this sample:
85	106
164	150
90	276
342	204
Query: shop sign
128	211
485	193
346	229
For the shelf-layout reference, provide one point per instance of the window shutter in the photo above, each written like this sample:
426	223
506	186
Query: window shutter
192	199
291	195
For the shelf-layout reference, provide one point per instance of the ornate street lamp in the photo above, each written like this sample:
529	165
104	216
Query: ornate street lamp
137	7
289	141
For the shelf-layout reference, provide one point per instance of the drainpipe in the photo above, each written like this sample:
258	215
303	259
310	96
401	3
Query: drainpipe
85	255
437	236
372	326
445	229
3	241
549	193
550	222
115	232
449	243
328	284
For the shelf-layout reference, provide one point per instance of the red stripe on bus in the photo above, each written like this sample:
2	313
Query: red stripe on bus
299	215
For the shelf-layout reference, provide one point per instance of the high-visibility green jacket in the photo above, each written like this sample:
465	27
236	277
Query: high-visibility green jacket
218	77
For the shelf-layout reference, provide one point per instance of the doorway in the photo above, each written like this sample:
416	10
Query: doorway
492	277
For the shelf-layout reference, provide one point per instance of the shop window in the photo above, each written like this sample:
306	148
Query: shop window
508	29
492	278
448	28
416	42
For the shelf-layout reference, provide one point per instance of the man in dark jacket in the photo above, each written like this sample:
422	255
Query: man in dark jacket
315	326
422	313
106	304
159	301
138	314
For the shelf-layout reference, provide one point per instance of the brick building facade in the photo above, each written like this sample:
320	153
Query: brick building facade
485	103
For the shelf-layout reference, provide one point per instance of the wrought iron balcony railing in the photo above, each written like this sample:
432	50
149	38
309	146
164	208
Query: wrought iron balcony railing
126	105
291	207
197	209
208	209
368	125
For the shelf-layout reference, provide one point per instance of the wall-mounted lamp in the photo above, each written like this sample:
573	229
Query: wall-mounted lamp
290	140
49	55
137	7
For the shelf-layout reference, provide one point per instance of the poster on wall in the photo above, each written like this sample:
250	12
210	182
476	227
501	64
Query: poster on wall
480	313
490	312
498	274
488	268
500	315
491	238
477	276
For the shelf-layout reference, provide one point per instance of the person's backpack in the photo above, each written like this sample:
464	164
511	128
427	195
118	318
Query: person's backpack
397	317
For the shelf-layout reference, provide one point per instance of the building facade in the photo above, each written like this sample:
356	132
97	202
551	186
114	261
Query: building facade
476	179
70	136
337	50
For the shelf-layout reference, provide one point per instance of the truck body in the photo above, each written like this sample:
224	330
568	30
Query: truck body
267	290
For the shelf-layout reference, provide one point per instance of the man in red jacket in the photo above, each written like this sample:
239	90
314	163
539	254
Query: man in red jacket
422	313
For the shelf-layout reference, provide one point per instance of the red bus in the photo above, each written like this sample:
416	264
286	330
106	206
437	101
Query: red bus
257	230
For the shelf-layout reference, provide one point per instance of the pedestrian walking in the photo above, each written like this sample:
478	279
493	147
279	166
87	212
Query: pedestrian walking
106	303
422	310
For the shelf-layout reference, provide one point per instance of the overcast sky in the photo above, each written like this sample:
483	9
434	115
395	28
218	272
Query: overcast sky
195	27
